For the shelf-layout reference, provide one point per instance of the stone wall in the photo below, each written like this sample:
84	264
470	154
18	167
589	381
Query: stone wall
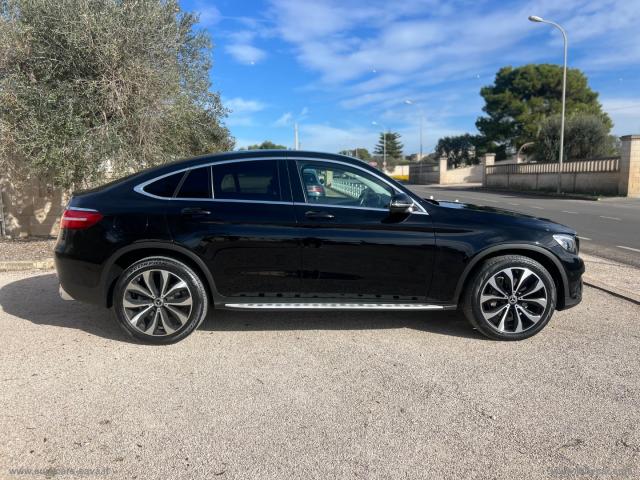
612	176
31	208
422	174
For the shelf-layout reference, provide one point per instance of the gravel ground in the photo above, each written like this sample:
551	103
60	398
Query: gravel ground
316	395
27	249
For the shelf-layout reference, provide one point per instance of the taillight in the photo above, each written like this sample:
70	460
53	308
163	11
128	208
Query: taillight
79	219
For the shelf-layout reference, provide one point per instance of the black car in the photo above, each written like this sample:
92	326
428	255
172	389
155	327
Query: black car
240	231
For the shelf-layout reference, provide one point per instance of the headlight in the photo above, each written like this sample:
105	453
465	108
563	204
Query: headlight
568	242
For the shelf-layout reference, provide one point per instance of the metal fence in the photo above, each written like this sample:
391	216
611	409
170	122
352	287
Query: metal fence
348	186
611	164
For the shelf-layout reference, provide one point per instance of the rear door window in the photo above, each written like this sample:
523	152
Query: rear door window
197	184
252	180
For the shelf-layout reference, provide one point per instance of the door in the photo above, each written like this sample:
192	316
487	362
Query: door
243	228
352	246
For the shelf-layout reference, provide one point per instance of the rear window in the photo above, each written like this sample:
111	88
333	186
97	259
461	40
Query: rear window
165	187
254	180
197	184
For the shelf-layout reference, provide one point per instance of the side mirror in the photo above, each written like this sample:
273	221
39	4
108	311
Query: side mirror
401	203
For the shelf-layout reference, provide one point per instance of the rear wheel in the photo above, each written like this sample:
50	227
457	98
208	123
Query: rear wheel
510	298
159	300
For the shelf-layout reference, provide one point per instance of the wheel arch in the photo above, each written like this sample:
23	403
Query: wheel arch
126	256
539	254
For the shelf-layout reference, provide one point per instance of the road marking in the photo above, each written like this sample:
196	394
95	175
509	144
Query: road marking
533	206
568	211
610	218
628	248
583	238
516	204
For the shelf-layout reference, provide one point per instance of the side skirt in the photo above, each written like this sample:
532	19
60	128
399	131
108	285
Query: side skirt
333	306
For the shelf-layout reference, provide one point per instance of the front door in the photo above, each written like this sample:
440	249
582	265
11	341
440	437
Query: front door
352	247
244	229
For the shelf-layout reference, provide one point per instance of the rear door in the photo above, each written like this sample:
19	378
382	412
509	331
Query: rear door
244	229
352	247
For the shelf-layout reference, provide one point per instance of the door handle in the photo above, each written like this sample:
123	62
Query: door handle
319	215
192	211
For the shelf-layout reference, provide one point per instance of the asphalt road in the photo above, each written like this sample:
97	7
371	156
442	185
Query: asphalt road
608	228
315	395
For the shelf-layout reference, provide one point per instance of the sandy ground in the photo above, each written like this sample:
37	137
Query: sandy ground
315	395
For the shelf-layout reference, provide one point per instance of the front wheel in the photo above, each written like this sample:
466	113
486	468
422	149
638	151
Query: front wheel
510	298
159	300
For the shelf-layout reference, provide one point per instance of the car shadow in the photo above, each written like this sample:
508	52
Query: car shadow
36	299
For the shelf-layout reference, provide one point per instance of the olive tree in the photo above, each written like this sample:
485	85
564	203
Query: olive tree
96	87
586	136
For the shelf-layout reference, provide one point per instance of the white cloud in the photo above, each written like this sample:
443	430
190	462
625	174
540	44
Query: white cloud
284	120
625	113
345	41
242	110
241	47
209	14
328	138
245	53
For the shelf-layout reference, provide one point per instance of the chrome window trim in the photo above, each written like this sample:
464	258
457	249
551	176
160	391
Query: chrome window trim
140	187
328	205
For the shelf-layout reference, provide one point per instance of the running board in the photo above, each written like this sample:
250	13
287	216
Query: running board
335	306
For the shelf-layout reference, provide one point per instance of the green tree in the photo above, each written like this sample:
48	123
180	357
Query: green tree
462	149
96	87
393	148
586	136
358	152
522	98
266	145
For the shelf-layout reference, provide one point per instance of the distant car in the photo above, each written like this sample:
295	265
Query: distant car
313	186
243	231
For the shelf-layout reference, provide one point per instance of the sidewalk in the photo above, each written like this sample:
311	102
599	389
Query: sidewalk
613	277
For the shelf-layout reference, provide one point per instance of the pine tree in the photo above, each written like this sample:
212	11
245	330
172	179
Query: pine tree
393	150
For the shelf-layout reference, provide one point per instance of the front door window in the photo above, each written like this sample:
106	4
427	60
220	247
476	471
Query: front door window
343	187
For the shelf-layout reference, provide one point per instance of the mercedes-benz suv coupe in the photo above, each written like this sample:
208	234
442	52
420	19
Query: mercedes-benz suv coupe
245	230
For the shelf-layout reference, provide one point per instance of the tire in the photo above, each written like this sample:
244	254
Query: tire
159	300
492	307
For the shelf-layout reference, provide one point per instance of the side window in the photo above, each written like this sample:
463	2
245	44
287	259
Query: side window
197	184
253	180
165	187
341	186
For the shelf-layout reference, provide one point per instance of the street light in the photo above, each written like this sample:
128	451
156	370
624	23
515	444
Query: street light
411	102
536	19
384	145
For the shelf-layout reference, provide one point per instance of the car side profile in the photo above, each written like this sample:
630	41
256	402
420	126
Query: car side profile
294	230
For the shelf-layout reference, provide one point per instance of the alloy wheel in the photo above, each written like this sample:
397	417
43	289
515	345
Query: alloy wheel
513	300
157	302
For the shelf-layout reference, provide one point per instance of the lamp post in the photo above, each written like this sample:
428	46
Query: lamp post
535	18
384	145
411	102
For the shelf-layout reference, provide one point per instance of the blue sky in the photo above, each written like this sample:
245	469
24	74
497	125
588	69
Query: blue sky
336	66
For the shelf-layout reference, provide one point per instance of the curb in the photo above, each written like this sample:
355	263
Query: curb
540	193
17	265
623	294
